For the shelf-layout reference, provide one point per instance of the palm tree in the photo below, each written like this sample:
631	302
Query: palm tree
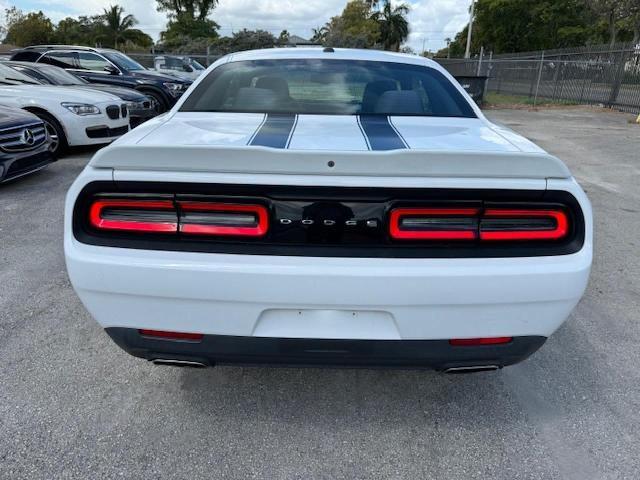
394	27
116	27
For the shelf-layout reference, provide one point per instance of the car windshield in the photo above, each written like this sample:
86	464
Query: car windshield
195	64
59	76
123	61
12	77
328	87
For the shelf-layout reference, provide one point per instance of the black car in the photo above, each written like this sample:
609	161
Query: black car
141	108
102	65
24	144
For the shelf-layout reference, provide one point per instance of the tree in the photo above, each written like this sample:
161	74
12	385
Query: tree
319	34
31	29
191	9
81	31
613	11
116	27
245	40
393	25
283	39
354	27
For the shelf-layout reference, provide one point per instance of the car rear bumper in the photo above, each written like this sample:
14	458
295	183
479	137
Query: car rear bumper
330	298
221	349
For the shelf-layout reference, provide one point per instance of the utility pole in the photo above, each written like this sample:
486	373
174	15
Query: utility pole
467	52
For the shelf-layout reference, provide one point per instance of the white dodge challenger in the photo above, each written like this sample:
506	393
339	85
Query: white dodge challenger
328	207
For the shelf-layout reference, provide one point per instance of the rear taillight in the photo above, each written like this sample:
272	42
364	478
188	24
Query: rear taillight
204	218
488	225
149	216
185	217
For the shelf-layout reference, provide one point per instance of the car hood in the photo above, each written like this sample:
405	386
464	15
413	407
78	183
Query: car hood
10	117
126	94
53	92
156	76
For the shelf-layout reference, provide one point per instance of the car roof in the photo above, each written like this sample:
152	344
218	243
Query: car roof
332	53
44	48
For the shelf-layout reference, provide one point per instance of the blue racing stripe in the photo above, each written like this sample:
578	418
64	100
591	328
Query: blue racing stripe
380	133
275	131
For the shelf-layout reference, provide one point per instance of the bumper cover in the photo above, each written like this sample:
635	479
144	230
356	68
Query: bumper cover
224	349
18	164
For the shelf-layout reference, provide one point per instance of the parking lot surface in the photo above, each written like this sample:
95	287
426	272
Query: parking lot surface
73	405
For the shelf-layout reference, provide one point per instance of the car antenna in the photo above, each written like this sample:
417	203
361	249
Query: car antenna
328	50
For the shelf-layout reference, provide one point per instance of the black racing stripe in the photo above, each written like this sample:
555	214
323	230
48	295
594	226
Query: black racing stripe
275	131
380	133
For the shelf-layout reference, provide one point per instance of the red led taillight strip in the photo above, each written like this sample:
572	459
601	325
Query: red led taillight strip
476	342
132	224
191	218
257	228
492	224
438	232
560	231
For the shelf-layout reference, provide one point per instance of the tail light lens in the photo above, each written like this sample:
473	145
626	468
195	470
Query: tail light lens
149	216
488	225
434	223
505	225
169	217
164	335
204	218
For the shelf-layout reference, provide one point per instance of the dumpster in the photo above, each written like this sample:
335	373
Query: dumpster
474	86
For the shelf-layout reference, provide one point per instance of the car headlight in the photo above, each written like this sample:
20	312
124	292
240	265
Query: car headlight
81	108
175	89
134	105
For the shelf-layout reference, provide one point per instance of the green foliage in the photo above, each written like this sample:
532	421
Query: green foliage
116	28
193	9
393	25
183	28
31	29
244	40
354	28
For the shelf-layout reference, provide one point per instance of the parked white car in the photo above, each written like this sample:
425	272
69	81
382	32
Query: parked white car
310	206
185	68
72	116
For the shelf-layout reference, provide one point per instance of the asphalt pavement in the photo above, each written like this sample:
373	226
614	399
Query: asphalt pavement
73	405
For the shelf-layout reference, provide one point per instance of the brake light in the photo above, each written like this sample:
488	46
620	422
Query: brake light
434	223
205	218
164	335
187	217
524	225
149	216
493	224
475	342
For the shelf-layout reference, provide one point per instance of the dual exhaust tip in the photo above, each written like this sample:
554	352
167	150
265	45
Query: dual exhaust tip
195	364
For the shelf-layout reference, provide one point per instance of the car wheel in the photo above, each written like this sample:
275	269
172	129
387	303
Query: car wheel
157	102
56	133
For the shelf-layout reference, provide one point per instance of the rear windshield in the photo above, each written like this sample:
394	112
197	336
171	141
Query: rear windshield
328	87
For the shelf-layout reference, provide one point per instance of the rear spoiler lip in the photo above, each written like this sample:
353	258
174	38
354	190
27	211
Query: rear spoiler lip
396	163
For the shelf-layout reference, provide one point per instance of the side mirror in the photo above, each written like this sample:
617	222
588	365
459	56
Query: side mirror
187	68
111	70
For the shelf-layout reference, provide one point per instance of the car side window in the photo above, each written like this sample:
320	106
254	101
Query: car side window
92	61
60	59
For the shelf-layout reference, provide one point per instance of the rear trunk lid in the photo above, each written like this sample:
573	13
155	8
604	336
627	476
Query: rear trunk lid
330	145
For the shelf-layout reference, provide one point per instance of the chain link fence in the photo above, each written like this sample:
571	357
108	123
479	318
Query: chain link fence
602	75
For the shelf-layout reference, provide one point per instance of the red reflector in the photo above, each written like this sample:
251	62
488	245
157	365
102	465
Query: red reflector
228	219
556	232
194	337
133	215
474	342
433	223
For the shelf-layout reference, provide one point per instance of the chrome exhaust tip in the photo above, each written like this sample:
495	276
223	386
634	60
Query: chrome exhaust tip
472	369
178	363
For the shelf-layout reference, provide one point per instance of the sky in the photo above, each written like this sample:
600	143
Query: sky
431	21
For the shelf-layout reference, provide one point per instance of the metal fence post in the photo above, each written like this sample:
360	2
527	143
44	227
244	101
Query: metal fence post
535	99
480	61
617	79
